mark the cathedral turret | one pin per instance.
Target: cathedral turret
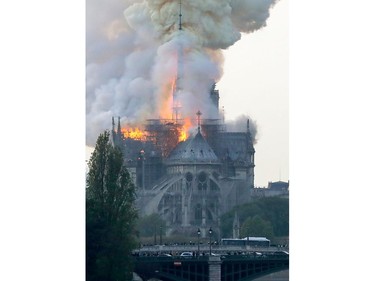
(214, 95)
(118, 126)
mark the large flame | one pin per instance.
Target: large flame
(134, 133)
(185, 128)
(182, 136)
(169, 108)
(138, 134)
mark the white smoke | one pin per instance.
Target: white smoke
(132, 51)
(240, 125)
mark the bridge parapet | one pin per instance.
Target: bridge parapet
(218, 249)
(209, 268)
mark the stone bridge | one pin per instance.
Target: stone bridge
(209, 268)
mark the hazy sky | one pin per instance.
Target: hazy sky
(255, 82)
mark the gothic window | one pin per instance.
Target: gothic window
(189, 177)
(202, 181)
(202, 177)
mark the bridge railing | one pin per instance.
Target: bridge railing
(227, 257)
(225, 252)
(220, 249)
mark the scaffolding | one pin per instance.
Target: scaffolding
(164, 134)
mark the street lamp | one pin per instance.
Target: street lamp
(199, 234)
(210, 233)
(161, 241)
(142, 152)
(155, 234)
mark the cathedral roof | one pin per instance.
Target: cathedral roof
(194, 150)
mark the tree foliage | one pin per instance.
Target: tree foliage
(150, 225)
(256, 227)
(110, 214)
(275, 210)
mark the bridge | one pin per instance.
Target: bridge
(244, 267)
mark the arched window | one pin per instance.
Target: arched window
(202, 181)
(189, 177)
(202, 177)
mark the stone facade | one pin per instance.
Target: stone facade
(190, 183)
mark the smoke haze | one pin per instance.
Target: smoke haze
(132, 50)
(240, 125)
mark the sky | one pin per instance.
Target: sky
(255, 83)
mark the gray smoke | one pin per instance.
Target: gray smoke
(240, 125)
(132, 51)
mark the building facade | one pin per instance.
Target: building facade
(189, 183)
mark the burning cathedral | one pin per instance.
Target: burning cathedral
(189, 182)
(188, 166)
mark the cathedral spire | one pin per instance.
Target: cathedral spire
(199, 113)
(178, 87)
(180, 15)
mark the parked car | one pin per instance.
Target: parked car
(186, 254)
(280, 253)
(165, 255)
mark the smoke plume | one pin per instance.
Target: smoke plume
(132, 50)
(240, 125)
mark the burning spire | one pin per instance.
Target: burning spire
(179, 76)
(136, 54)
(180, 15)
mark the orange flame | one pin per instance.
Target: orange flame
(185, 128)
(133, 133)
(183, 136)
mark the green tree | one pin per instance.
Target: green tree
(257, 227)
(272, 209)
(110, 214)
(150, 225)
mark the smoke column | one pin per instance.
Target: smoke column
(132, 49)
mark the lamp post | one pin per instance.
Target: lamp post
(199, 234)
(155, 234)
(143, 168)
(210, 234)
(161, 234)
